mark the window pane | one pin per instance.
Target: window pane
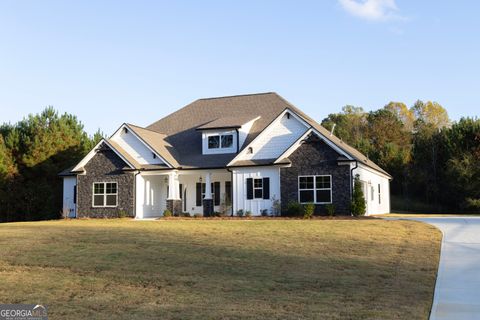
(98, 188)
(306, 182)
(227, 141)
(257, 183)
(306, 196)
(323, 182)
(98, 200)
(111, 187)
(258, 194)
(111, 200)
(213, 142)
(323, 196)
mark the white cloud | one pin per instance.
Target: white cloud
(375, 10)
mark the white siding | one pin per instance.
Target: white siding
(239, 183)
(244, 131)
(136, 148)
(69, 207)
(276, 139)
(371, 179)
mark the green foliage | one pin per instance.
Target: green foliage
(32, 153)
(167, 213)
(240, 213)
(308, 210)
(185, 214)
(248, 213)
(330, 210)
(122, 214)
(295, 209)
(358, 206)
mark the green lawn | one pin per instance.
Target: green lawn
(221, 269)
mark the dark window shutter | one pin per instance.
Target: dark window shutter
(266, 188)
(216, 191)
(180, 188)
(228, 191)
(199, 195)
(75, 194)
(249, 188)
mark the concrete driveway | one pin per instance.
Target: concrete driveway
(457, 292)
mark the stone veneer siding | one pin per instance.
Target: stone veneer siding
(315, 157)
(105, 166)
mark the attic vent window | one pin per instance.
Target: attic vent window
(250, 150)
(154, 155)
(125, 130)
(288, 115)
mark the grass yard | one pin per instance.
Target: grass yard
(221, 269)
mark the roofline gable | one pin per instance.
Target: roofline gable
(128, 126)
(94, 151)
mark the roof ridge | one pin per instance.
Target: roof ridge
(143, 128)
(239, 95)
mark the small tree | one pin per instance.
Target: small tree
(358, 206)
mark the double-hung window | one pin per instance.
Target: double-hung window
(105, 194)
(315, 189)
(258, 188)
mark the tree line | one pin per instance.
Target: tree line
(32, 153)
(435, 163)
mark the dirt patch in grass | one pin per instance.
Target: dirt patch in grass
(221, 269)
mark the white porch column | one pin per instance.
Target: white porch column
(173, 186)
(208, 186)
(139, 195)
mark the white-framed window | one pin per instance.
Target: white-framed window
(105, 194)
(258, 188)
(315, 189)
(379, 194)
(220, 141)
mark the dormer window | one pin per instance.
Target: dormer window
(221, 141)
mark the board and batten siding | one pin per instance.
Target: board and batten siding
(240, 201)
(69, 207)
(276, 139)
(135, 148)
(371, 179)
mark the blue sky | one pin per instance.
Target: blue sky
(111, 62)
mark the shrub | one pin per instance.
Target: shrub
(167, 213)
(358, 206)
(264, 213)
(122, 214)
(197, 215)
(240, 213)
(308, 210)
(185, 214)
(248, 213)
(330, 209)
(294, 209)
(276, 206)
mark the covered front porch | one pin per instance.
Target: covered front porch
(181, 191)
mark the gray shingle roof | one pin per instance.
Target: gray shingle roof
(227, 122)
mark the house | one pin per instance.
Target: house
(252, 152)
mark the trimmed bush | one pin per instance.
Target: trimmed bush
(294, 209)
(240, 213)
(248, 213)
(167, 213)
(330, 209)
(358, 206)
(264, 213)
(308, 210)
(122, 214)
